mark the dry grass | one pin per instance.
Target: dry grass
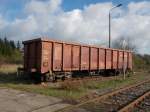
(9, 68)
(66, 90)
(69, 85)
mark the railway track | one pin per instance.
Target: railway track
(119, 100)
(142, 104)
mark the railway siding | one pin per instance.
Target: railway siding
(138, 105)
(113, 101)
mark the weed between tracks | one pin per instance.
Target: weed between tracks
(67, 90)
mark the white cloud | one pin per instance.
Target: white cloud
(89, 25)
(2, 22)
(43, 7)
(139, 8)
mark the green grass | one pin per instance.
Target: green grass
(8, 78)
(46, 91)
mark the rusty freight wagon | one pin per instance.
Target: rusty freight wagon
(52, 59)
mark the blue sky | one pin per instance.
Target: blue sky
(84, 21)
(69, 5)
(13, 8)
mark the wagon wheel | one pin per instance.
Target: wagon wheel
(50, 77)
(54, 78)
(63, 78)
(47, 77)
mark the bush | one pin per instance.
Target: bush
(71, 85)
(141, 62)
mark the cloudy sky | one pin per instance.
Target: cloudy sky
(84, 21)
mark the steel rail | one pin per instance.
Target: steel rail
(102, 97)
(131, 105)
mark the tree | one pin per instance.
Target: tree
(9, 52)
(5, 40)
(12, 44)
(18, 45)
(125, 43)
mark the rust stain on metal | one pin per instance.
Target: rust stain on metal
(102, 59)
(134, 103)
(108, 58)
(84, 58)
(48, 55)
(75, 57)
(94, 59)
(115, 59)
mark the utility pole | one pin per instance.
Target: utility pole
(110, 22)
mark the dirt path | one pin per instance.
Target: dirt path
(19, 101)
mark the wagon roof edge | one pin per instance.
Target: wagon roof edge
(45, 39)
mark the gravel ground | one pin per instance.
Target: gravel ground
(19, 101)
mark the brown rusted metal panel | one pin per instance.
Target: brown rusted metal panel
(125, 59)
(38, 55)
(108, 58)
(46, 64)
(115, 57)
(75, 57)
(32, 56)
(67, 57)
(57, 56)
(26, 56)
(94, 59)
(46, 55)
(130, 60)
(101, 58)
(85, 58)
(120, 60)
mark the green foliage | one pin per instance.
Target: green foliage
(9, 52)
(126, 43)
(141, 62)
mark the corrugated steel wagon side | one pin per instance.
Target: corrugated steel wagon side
(108, 59)
(32, 55)
(114, 59)
(94, 58)
(45, 56)
(130, 62)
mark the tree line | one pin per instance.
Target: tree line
(140, 61)
(10, 51)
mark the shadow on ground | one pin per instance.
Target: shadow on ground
(12, 78)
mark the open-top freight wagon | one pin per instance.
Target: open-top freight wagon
(52, 59)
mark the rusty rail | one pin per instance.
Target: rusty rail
(102, 97)
(134, 103)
